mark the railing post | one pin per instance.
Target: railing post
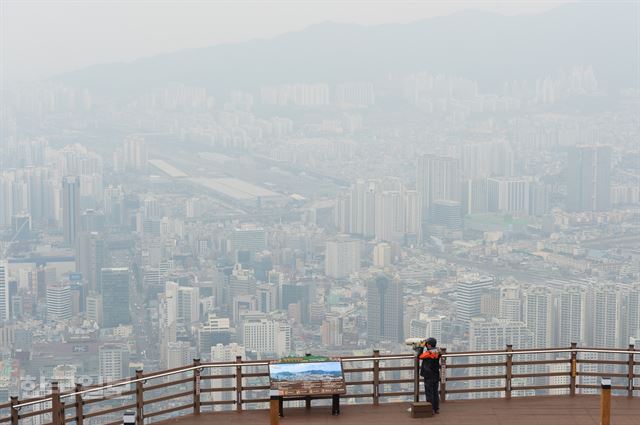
(139, 398)
(238, 383)
(14, 412)
(605, 402)
(55, 404)
(196, 387)
(630, 373)
(79, 406)
(508, 373)
(376, 378)
(574, 369)
(416, 377)
(62, 413)
(443, 374)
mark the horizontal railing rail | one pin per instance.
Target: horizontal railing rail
(392, 377)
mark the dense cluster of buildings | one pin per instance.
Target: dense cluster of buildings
(293, 219)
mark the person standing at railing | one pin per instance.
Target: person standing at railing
(430, 372)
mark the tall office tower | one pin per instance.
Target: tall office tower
(385, 321)
(58, 303)
(481, 160)
(332, 330)
(469, 290)
(267, 297)
(135, 154)
(115, 297)
(183, 303)
(113, 361)
(70, 209)
(589, 178)
(382, 255)
(91, 258)
(508, 195)
(300, 293)
(248, 237)
(4, 291)
(266, 336)
(438, 178)
(447, 214)
(113, 204)
(605, 317)
(538, 314)
(342, 257)
(510, 303)
(180, 353)
(570, 312)
(241, 282)
(215, 331)
(475, 197)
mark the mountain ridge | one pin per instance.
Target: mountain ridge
(484, 46)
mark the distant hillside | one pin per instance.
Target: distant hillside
(487, 47)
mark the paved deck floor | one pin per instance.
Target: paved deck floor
(561, 410)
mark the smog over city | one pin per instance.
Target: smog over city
(201, 189)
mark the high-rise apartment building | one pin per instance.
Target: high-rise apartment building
(4, 291)
(510, 303)
(70, 209)
(438, 178)
(113, 361)
(474, 197)
(342, 257)
(385, 321)
(538, 314)
(571, 315)
(482, 160)
(589, 178)
(508, 195)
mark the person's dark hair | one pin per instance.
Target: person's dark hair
(432, 342)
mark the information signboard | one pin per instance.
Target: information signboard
(305, 377)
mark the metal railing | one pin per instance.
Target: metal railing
(378, 378)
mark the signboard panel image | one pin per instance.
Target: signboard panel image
(307, 378)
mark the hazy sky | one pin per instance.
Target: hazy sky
(40, 38)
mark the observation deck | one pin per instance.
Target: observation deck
(543, 386)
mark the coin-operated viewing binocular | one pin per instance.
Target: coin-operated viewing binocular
(416, 343)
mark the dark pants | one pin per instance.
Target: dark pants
(432, 394)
